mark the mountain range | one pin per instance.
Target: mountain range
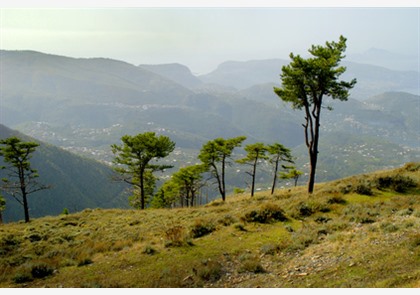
(85, 105)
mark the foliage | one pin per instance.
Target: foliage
(250, 263)
(215, 155)
(398, 183)
(202, 227)
(21, 178)
(188, 181)
(305, 82)
(255, 153)
(175, 236)
(363, 188)
(292, 173)
(134, 158)
(210, 271)
(167, 195)
(266, 214)
(278, 153)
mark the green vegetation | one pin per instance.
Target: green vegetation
(20, 181)
(135, 155)
(76, 182)
(335, 238)
(305, 82)
(255, 153)
(215, 155)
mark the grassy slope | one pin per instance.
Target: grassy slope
(334, 238)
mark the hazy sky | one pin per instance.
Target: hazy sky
(202, 38)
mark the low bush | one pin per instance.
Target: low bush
(250, 263)
(336, 200)
(227, 220)
(41, 270)
(306, 209)
(202, 228)
(266, 214)
(363, 189)
(8, 243)
(412, 167)
(149, 250)
(240, 226)
(175, 236)
(269, 249)
(398, 183)
(210, 271)
(21, 278)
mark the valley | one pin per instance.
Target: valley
(85, 105)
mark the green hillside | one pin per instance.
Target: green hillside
(361, 231)
(85, 105)
(77, 183)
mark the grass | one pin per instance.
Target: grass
(336, 237)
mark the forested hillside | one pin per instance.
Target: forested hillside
(77, 183)
(85, 105)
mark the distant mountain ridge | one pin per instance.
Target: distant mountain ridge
(85, 105)
(371, 79)
(176, 72)
(387, 59)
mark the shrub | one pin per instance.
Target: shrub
(389, 227)
(305, 210)
(405, 212)
(21, 278)
(8, 243)
(322, 219)
(202, 228)
(250, 263)
(398, 183)
(35, 237)
(210, 271)
(363, 189)
(336, 200)
(149, 250)
(412, 167)
(269, 249)
(175, 236)
(240, 226)
(301, 240)
(227, 220)
(238, 190)
(41, 270)
(414, 240)
(82, 261)
(266, 214)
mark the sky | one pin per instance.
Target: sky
(203, 37)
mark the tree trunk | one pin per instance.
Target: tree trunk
(1, 217)
(313, 159)
(24, 193)
(223, 188)
(254, 168)
(25, 207)
(275, 176)
(313, 150)
(142, 197)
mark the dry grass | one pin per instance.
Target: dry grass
(337, 237)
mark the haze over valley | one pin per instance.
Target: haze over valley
(84, 104)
